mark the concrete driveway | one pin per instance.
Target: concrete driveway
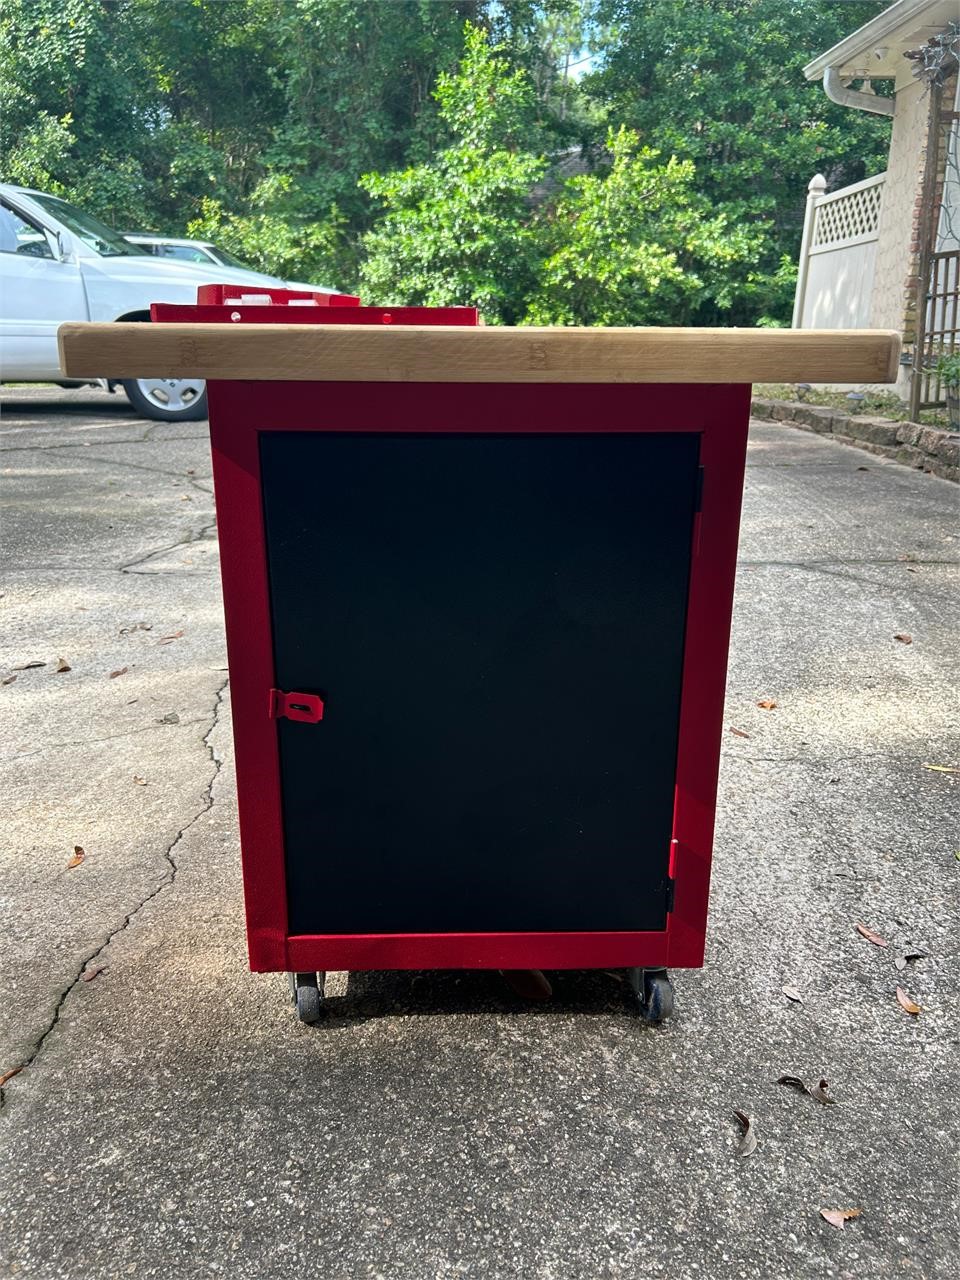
(172, 1118)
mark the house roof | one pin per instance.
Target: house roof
(875, 50)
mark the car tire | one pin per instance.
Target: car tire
(168, 399)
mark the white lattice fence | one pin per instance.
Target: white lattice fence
(838, 255)
(848, 216)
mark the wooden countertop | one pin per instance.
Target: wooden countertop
(380, 353)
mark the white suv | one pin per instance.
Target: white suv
(58, 263)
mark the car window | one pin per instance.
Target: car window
(17, 235)
(102, 239)
(226, 259)
(185, 252)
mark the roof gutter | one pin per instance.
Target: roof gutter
(837, 91)
(875, 32)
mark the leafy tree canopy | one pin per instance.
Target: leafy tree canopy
(720, 83)
(459, 228)
(446, 150)
(639, 244)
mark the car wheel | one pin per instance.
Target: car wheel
(168, 399)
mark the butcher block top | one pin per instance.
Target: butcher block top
(413, 353)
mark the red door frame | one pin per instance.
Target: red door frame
(239, 411)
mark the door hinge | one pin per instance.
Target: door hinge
(670, 887)
(698, 496)
(295, 706)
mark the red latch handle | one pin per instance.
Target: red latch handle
(295, 706)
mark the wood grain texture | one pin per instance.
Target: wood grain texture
(375, 353)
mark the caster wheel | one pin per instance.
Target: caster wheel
(651, 994)
(307, 992)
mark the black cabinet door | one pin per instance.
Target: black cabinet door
(496, 624)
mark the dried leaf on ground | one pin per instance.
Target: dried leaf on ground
(141, 782)
(8, 1075)
(739, 732)
(88, 975)
(748, 1143)
(870, 935)
(63, 665)
(793, 993)
(837, 1217)
(78, 857)
(818, 1091)
(906, 1003)
(28, 666)
(767, 704)
(170, 718)
(9, 679)
(121, 671)
(942, 768)
(902, 960)
(170, 638)
(904, 639)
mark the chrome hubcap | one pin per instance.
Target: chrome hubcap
(171, 394)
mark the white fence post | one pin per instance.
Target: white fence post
(815, 189)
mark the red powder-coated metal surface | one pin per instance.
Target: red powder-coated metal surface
(240, 410)
(218, 294)
(334, 313)
(477, 951)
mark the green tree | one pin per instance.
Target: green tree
(460, 229)
(720, 82)
(638, 245)
(213, 97)
(251, 121)
(357, 82)
(269, 238)
(69, 72)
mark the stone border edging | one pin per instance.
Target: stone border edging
(928, 449)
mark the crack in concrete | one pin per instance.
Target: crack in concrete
(836, 560)
(159, 424)
(49, 448)
(203, 534)
(86, 742)
(168, 879)
(821, 761)
(147, 438)
(826, 464)
(824, 567)
(191, 481)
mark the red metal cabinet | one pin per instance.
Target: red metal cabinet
(478, 587)
(477, 640)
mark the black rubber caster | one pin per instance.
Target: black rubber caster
(306, 990)
(651, 993)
